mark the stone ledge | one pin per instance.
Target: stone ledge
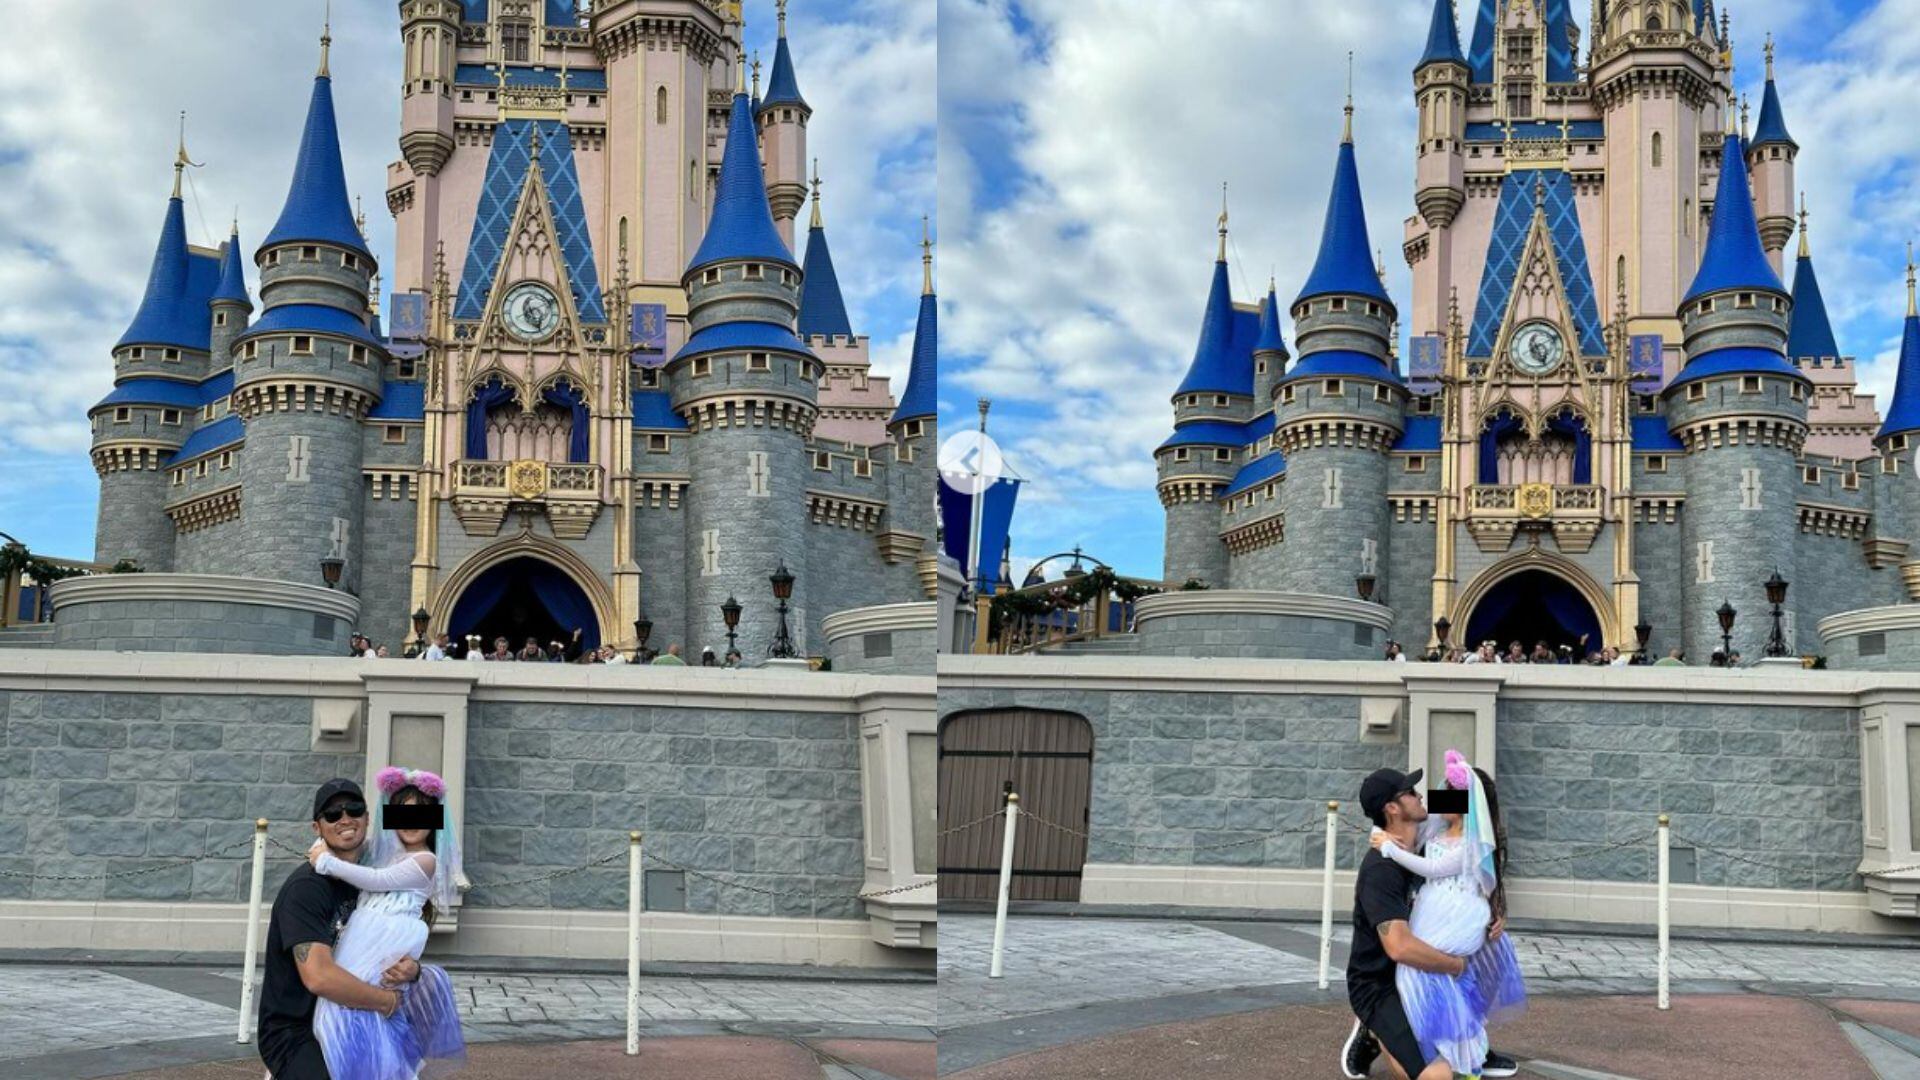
(1865, 621)
(104, 588)
(1256, 602)
(880, 618)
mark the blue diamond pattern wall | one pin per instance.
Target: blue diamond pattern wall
(1506, 247)
(499, 195)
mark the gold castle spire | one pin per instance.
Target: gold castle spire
(816, 193)
(756, 73)
(1222, 257)
(1769, 52)
(1346, 132)
(926, 257)
(1803, 225)
(326, 41)
(1912, 308)
(180, 159)
(780, 9)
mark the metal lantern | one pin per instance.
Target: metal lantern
(1726, 614)
(642, 630)
(420, 618)
(782, 583)
(782, 648)
(330, 568)
(1777, 595)
(1642, 632)
(730, 611)
(1364, 585)
(1442, 626)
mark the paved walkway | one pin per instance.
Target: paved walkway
(69, 1021)
(1119, 998)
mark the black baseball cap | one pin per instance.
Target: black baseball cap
(1382, 786)
(339, 785)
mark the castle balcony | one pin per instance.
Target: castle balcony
(1571, 512)
(568, 493)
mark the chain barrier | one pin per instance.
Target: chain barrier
(1808, 872)
(981, 820)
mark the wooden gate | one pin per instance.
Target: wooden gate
(1045, 756)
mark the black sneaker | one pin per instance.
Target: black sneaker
(1499, 1064)
(1356, 1058)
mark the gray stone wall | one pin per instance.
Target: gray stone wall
(1259, 567)
(199, 626)
(1323, 543)
(1832, 576)
(885, 652)
(386, 581)
(755, 534)
(844, 570)
(132, 523)
(1407, 582)
(1663, 566)
(1289, 637)
(99, 782)
(768, 799)
(1748, 544)
(208, 550)
(288, 526)
(1193, 545)
(1888, 650)
(660, 548)
(1776, 783)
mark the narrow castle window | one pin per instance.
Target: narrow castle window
(171, 355)
(170, 416)
(1416, 463)
(1221, 453)
(863, 467)
(1656, 463)
(660, 106)
(179, 477)
(219, 318)
(394, 433)
(302, 344)
(758, 362)
(1220, 400)
(702, 366)
(657, 444)
(226, 459)
(1696, 391)
(1750, 384)
(1331, 388)
(1656, 150)
(310, 253)
(123, 415)
(516, 39)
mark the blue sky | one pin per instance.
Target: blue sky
(1083, 144)
(87, 129)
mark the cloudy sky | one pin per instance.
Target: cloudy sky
(88, 120)
(1082, 145)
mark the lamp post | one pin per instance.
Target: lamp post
(642, 630)
(330, 568)
(1442, 626)
(730, 611)
(420, 619)
(1776, 595)
(782, 648)
(1726, 614)
(1363, 584)
(1641, 633)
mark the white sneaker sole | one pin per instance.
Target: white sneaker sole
(1346, 1049)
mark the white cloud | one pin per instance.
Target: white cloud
(1076, 291)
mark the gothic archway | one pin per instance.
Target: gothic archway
(533, 560)
(1536, 596)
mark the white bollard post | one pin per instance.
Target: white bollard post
(1006, 885)
(253, 930)
(1326, 896)
(1665, 915)
(633, 943)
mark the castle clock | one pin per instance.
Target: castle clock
(531, 311)
(1537, 349)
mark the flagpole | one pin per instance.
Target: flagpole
(979, 504)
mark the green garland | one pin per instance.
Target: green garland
(1066, 595)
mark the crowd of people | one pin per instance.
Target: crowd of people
(441, 647)
(1489, 652)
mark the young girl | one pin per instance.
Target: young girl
(409, 871)
(1465, 861)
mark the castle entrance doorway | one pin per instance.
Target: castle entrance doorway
(1535, 606)
(1045, 756)
(521, 598)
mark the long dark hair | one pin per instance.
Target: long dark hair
(409, 795)
(1499, 898)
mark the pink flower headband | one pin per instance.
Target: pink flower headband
(392, 778)
(1459, 773)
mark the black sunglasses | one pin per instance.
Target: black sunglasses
(350, 809)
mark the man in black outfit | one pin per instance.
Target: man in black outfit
(308, 914)
(1382, 939)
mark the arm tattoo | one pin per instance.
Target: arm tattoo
(301, 950)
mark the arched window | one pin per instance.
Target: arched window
(1620, 273)
(660, 106)
(1656, 150)
(1653, 22)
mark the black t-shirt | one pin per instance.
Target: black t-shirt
(310, 908)
(1382, 892)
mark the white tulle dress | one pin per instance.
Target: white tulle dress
(422, 1038)
(1449, 1014)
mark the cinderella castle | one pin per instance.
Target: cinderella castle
(606, 395)
(1612, 420)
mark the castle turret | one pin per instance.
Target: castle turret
(748, 390)
(308, 370)
(231, 305)
(913, 426)
(1898, 441)
(1210, 410)
(823, 311)
(783, 116)
(1903, 413)
(157, 365)
(1770, 156)
(1809, 330)
(1740, 409)
(1339, 410)
(1269, 353)
(1440, 86)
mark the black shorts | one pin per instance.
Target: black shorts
(1380, 1012)
(299, 1059)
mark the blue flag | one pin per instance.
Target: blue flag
(996, 520)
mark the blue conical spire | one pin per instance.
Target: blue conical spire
(920, 399)
(822, 309)
(1443, 38)
(1772, 129)
(1345, 263)
(164, 317)
(1903, 416)
(1270, 339)
(741, 225)
(1811, 332)
(1733, 258)
(782, 87)
(317, 208)
(1213, 369)
(233, 275)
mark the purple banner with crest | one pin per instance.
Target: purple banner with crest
(649, 328)
(1425, 361)
(1645, 368)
